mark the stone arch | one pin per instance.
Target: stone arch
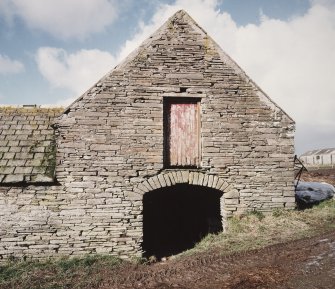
(170, 178)
(157, 206)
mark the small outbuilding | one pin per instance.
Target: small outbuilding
(320, 158)
(154, 156)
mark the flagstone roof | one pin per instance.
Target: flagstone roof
(27, 144)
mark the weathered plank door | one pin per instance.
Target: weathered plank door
(183, 133)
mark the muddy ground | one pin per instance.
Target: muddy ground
(319, 175)
(306, 263)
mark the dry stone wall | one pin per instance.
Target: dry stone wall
(40, 222)
(110, 149)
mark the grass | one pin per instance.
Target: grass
(251, 231)
(64, 273)
(255, 229)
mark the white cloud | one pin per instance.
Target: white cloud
(293, 60)
(202, 11)
(77, 71)
(9, 66)
(62, 18)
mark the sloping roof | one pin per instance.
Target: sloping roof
(326, 151)
(155, 39)
(27, 145)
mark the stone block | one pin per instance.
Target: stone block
(172, 178)
(167, 180)
(152, 184)
(278, 200)
(201, 179)
(147, 185)
(143, 188)
(289, 199)
(161, 180)
(231, 202)
(13, 178)
(210, 180)
(185, 176)
(205, 181)
(215, 181)
(232, 194)
(190, 178)
(156, 182)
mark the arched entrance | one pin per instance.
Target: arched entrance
(176, 217)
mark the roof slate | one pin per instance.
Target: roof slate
(27, 145)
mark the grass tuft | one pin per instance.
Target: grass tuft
(258, 214)
(256, 230)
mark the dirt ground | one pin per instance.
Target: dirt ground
(319, 175)
(306, 263)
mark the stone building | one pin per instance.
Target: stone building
(158, 153)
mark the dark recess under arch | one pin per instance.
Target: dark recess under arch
(176, 218)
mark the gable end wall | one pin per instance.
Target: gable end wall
(110, 150)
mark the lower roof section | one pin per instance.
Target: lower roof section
(27, 144)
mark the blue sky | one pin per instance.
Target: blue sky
(51, 51)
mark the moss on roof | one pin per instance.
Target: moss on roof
(27, 144)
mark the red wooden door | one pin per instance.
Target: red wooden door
(184, 134)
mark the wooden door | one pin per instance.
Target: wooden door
(183, 133)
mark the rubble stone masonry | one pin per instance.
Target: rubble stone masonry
(110, 150)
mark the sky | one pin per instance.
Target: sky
(52, 51)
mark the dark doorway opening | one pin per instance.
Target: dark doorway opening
(176, 218)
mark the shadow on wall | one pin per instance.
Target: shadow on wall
(176, 218)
